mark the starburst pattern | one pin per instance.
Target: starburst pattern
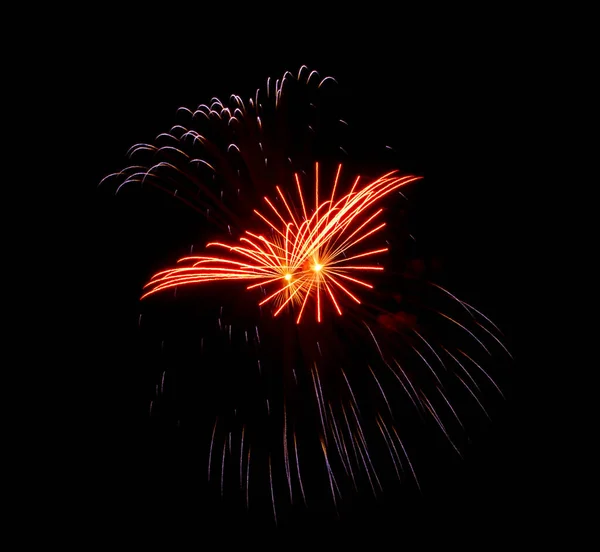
(307, 256)
(283, 390)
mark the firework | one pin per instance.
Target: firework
(318, 353)
(308, 257)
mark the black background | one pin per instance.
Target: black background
(452, 114)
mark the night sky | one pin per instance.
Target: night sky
(447, 122)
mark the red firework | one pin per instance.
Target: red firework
(307, 256)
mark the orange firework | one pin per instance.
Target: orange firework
(315, 413)
(309, 254)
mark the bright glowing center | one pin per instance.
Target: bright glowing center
(288, 276)
(317, 267)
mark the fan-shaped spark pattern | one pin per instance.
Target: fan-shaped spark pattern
(307, 254)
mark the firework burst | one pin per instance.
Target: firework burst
(316, 350)
(307, 257)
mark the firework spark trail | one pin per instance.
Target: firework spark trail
(339, 442)
(332, 481)
(224, 140)
(320, 401)
(362, 441)
(303, 258)
(272, 490)
(248, 479)
(351, 439)
(286, 453)
(313, 251)
(212, 442)
(483, 371)
(391, 446)
(298, 469)
(223, 467)
(242, 457)
(407, 458)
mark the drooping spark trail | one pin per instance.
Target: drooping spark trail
(340, 399)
